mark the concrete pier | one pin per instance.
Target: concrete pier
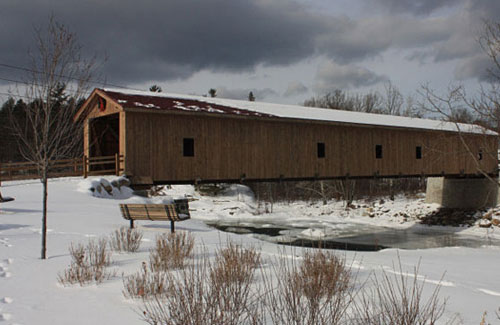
(462, 193)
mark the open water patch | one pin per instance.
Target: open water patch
(354, 237)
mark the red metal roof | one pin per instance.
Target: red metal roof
(176, 104)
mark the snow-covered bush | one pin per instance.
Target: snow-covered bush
(88, 264)
(171, 251)
(126, 239)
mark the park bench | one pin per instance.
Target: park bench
(178, 211)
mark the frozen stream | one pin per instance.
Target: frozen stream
(353, 236)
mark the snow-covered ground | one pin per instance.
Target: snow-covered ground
(31, 294)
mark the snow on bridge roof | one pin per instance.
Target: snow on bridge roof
(167, 101)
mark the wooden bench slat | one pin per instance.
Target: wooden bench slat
(152, 216)
(178, 211)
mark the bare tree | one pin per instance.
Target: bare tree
(490, 43)
(342, 100)
(481, 108)
(57, 81)
(393, 100)
(371, 103)
(412, 109)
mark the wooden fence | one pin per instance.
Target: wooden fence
(85, 166)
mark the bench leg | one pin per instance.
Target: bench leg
(131, 224)
(172, 226)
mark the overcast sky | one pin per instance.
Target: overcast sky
(282, 50)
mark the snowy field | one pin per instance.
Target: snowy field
(31, 294)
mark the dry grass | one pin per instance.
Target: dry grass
(317, 291)
(88, 264)
(171, 251)
(398, 299)
(145, 284)
(126, 239)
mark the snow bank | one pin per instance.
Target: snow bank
(76, 214)
(313, 234)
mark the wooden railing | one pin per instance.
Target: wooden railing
(85, 166)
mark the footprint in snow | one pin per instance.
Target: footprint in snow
(6, 300)
(5, 275)
(5, 242)
(5, 316)
(9, 260)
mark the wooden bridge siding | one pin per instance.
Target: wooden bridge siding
(138, 144)
(123, 141)
(227, 148)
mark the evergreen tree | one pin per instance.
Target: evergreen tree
(155, 89)
(251, 97)
(212, 92)
(9, 150)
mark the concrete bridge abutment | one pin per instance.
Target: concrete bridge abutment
(462, 193)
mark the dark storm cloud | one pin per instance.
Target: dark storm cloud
(420, 7)
(479, 67)
(331, 76)
(355, 40)
(170, 39)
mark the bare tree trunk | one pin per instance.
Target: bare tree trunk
(323, 192)
(55, 84)
(44, 216)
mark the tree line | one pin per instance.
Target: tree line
(18, 112)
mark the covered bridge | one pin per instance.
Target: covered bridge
(167, 138)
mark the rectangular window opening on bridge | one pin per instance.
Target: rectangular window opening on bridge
(188, 147)
(418, 152)
(321, 150)
(378, 151)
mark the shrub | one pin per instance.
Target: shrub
(209, 293)
(211, 189)
(145, 284)
(398, 300)
(234, 264)
(88, 264)
(126, 239)
(317, 291)
(322, 274)
(171, 251)
(231, 277)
